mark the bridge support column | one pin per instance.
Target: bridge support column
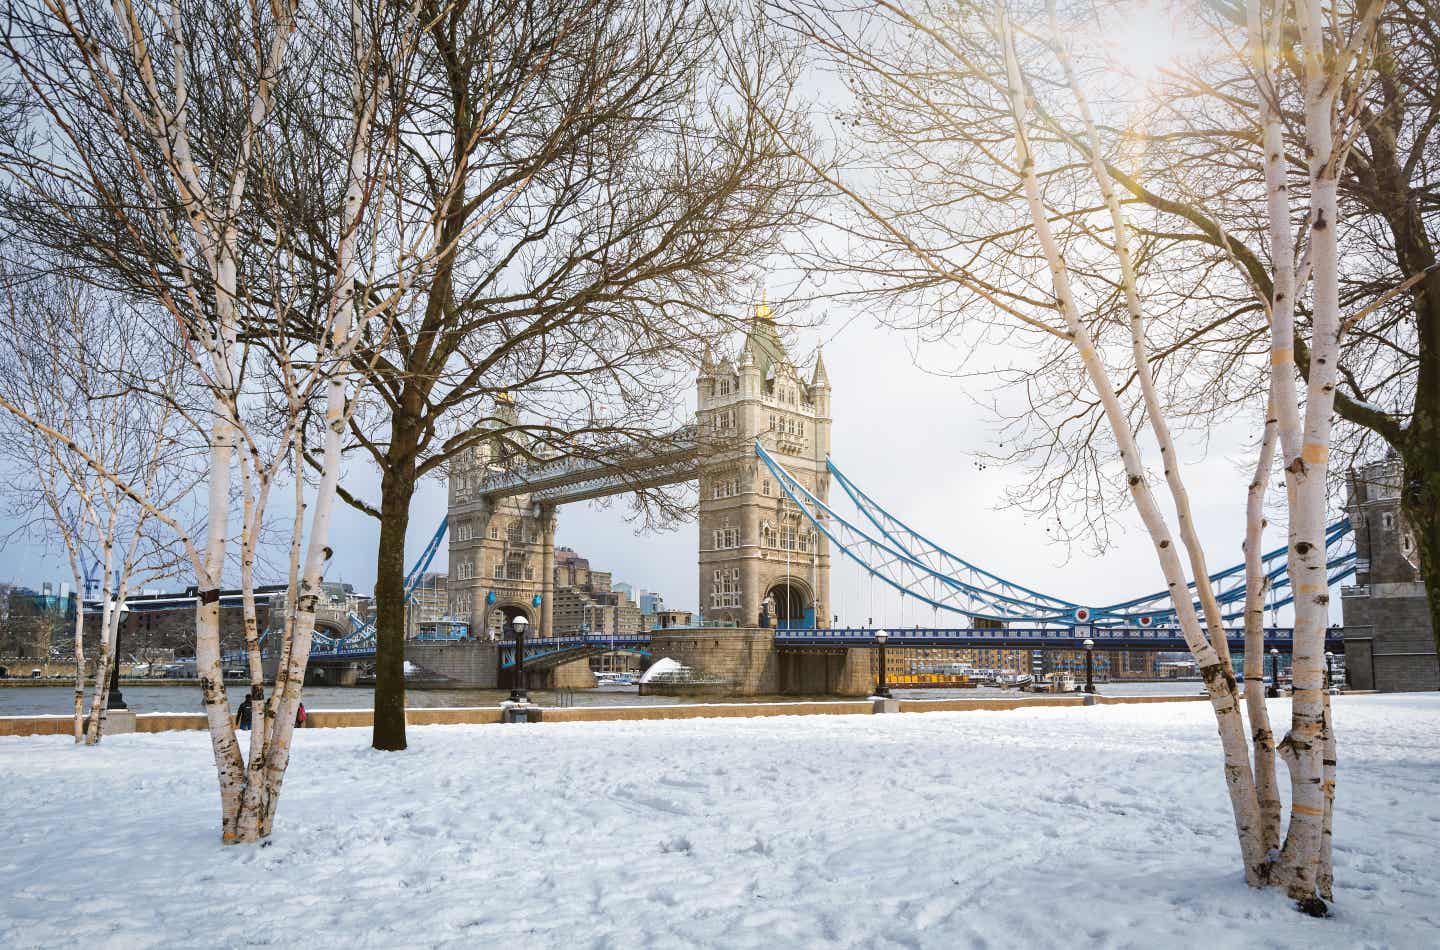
(547, 571)
(479, 610)
(573, 675)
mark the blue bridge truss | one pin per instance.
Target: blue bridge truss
(908, 561)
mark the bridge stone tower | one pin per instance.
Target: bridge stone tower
(1388, 644)
(761, 561)
(502, 552)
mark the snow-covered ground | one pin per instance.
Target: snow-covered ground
(1105, 826)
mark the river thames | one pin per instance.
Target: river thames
(59, 700)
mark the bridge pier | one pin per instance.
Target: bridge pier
(332, 674)
(828, 671)
(458, 663)
(742, 658)
(573, 675)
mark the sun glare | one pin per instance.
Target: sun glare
(1141, 39)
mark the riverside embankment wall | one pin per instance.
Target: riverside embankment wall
(486, 715)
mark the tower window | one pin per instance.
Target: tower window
(1388, 520)
(494, 532)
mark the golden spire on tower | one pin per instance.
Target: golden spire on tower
(763, 311)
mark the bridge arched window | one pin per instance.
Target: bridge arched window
(512, 533)
(767, 534)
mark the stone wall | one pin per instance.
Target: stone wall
(573, 675)
(1388, 645)
(465, 663)
(743, 657)
(838, 671)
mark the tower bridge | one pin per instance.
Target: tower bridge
(759, 451)
(758, 556)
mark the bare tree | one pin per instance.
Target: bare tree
(95, 372)
(165, 187)
(599, 192)
(998, 186)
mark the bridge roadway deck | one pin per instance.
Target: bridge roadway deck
(667, 461)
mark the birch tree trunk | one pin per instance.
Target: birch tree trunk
(1262, 738)
(108, 611)
(1219, 681)
(1306, 472)
(1154, 410)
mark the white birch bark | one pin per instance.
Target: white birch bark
(1239, 779)
(1306, 471)
(108, 611)
(1154, 410)
(260, 811)
(1262, 738)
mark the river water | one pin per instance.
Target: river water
(58, 700)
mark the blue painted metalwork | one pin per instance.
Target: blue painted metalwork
(1045, 638)
(918, 567)
(547, 651)
(903, 572)
(939, 559)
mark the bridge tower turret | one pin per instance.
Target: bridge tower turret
(759, 557)
(500, 550)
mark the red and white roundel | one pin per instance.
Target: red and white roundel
(1082, 614)
(1146, 621)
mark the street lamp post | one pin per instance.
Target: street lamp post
(116, 698)
(1089, 665)
(1329, 669)
(1274, 689)
(518, 694)
(882, 690)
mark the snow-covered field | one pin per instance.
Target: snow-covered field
(1105, 826)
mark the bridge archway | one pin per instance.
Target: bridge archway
(791, 604)
(501, 617)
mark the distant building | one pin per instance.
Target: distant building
(586, 600)
(429, 604)
(1388, 640)
(650, 602)
(665, 619)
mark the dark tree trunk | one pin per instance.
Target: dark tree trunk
(1420, 450)
(397, 487)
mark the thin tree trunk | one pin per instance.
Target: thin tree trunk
(108, 610)
(1326, 876)
(229, 763)
(1154, 410)
(1219, 682)
(1262, 738)
(1307, 471)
